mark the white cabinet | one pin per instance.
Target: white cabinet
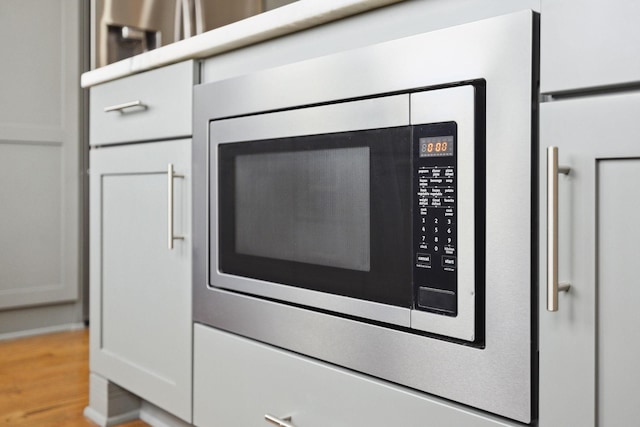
(588, 348)
(140, 245)
(40, 165)
(141, 289)
(589, 44)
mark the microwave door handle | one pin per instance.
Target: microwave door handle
(553, 287)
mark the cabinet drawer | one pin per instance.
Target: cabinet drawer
(237, 381)
(143, 107)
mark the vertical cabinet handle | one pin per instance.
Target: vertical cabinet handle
(170, 177)
(553, 287)
(282, 422)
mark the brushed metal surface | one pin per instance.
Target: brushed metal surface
(374, 113)
(553, 287)
(496, 378)
(168, 20)
(443, 105)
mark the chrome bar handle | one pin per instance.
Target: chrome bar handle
(553, 287)
(282, 422)
(121, 107)
(170, 177)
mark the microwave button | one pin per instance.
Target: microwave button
(439, 300)
(423, 260)
(448, 261)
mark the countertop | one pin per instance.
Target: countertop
(287, 19)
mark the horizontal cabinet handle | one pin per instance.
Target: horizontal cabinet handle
(124, 106)
(282, 422)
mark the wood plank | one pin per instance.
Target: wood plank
(44, 381)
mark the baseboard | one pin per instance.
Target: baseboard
(157, 417)
(103, 421)
(41, 331)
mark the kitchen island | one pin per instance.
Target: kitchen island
(587, 320)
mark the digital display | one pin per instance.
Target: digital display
(436, 146)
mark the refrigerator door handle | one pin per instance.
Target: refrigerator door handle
(199, 16)
(182, 20)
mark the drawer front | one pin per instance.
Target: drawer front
(237, 381)
(153, 105)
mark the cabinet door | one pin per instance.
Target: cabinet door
(141, 289)
(40, 153)
(588, 44)
(588, 348)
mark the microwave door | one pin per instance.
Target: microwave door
(318, 214)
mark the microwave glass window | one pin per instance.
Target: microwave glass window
(329, 213)
(305, 206)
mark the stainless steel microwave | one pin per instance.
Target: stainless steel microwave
(374, 209)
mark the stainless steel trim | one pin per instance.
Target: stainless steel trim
(455, 104)
(125, 105)
(170, 177)
(496, 378)
(553, 287)
(400, 316)
(282, 422)
(348, 116)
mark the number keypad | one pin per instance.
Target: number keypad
(434, 220)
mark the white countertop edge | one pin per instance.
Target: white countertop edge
(294, 17)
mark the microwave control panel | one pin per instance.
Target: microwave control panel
(434, 218)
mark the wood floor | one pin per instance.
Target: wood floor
(44, 381)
